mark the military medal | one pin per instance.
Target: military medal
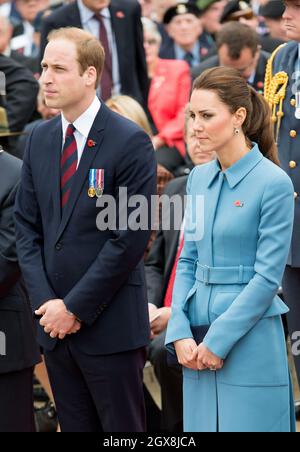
(99, 182)
(92, 183)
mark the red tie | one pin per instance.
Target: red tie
(106, 82)
(169, 292)
(68, 164)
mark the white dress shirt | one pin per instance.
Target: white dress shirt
(83, 125)
(92, 26)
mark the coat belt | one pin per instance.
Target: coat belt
(223, 275)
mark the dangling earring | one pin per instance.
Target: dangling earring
(236, 131)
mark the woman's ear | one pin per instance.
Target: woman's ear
(240, 117)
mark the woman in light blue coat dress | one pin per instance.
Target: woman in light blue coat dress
(237, 378)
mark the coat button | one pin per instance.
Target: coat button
(293, 133)
(58, 246)
(293, 102)
(295, 195)
(292, 164)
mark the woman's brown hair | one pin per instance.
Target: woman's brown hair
(233, 91)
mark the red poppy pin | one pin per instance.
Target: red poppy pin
(239, 204)
(91, 143)
(120, 14)
(260, 85)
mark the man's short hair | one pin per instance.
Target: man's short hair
(237, 37)
(89, 50)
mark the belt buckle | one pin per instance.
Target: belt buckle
(206, 274)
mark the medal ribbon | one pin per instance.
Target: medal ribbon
(92, 178)
(100, 179)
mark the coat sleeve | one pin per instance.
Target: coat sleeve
(8, 254)
(179, 324)
(275, 232)
(141, 66)
(29, 234)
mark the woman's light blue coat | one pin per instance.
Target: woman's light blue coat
(248, 220)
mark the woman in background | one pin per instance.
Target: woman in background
(169, 93)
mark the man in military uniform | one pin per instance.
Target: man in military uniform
(283, 81)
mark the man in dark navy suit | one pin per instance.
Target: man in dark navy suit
(187, 40)
(120, 21)
(86, 285)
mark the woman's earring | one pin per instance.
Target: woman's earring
(236, 131)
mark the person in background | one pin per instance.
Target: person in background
(18, 97)
(241, 11)
(26, 37)
(6, 32)
(235, 367)
(272, 12)
(284, 72)
(131, 109)
(168, 94)
(160, 270)
(45, 112)
(212, 11)
(188, 40)
(239, 48)
(18, 347)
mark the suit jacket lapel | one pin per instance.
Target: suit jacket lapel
(119, 29)
(55, 154)
(96, 134)
(75, 18)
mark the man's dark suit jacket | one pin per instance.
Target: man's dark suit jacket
(214, 61)
(15, 315)
(21, 93)
(126, 24)
(167, 50)
(162, 255)
(98, 274)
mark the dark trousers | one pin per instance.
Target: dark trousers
(170, 379)
(97, 393)
(16, 402)
(291, 293)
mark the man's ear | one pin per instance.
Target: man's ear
(90, 76)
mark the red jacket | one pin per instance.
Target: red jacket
(169, 93)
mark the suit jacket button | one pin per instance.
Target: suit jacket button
(58, 246)
(293, 102)
(293, 133)
(292, 164)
